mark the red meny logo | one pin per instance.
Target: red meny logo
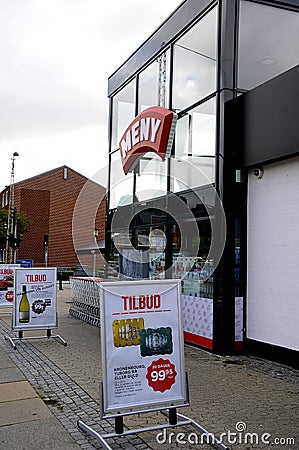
(151, 131)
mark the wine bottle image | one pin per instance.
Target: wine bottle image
(24, 307)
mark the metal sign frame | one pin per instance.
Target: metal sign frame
(41, 292)
(128, 367)
(42, 284)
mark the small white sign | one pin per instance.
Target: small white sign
(35, 299)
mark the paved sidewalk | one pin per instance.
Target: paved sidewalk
(25, 420)
(46, 387)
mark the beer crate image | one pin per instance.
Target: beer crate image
(126, 332)
(156, 341)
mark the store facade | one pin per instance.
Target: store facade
(178, 209)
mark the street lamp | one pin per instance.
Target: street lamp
(10, 253)
(94, 251)
(46, 248)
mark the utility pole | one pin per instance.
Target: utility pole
(15, 233)
(11, 217)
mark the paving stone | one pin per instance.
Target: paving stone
(224, 391)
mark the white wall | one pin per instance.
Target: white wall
(273, 255)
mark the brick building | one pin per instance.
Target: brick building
(66, 206)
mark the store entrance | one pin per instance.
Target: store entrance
(156, 236)
(155, 246)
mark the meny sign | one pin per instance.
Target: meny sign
(151, 131)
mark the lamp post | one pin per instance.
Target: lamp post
(94, 251)
(10, 254)
(46, 248)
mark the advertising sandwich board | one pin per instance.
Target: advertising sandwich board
(35, 299)
(142, 344)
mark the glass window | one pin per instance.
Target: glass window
(121, 185)
(151, 181)
(123, 112)
(268, 43)
(194, 159)
(154, 84)
(194, 73)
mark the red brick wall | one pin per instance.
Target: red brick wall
(49, 199)
(36, 204)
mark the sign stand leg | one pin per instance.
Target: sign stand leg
(93, 433)
(172, 416)
(5, 312)
(21, 337)
(216, 443)
(119, 425)
(7, 338)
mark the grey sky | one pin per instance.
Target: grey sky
(56, 56)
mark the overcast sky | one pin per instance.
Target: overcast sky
(56, 56)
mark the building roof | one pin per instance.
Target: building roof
(53, 170)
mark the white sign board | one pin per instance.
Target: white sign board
(7, 284)
(142, 344)
(35, 299)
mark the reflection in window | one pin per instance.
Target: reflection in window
(194, 74)
(123, 112)
(121, 185)
(194, 162)
(152, 179)
(153, 84)
(268, 43)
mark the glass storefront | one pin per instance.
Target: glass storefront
(188, 74)
(156, 244)
(149, 237)
(193, 161)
